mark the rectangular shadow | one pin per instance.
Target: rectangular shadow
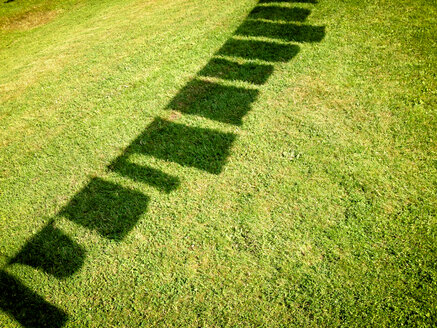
(225, 69)
(284, 32)
(201, 148)
(218, 102)
(288, 1)
(267, 51)
(151, 176)
(106, 207)
(53, 252)
(27, 307)
(275, 13)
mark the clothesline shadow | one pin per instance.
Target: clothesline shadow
(224, 90)
(27, 307)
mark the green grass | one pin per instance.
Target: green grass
(218, 163)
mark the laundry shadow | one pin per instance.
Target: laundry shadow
(204, 149)
(287, 32)
(266, 51)
(113, 210)
(153, 177)
(288, 1)
(227, 104)
(27, 307)
(107, 208)
(53, 252)
(228, 70)
(276, 13)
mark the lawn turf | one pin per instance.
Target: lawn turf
(218, 163)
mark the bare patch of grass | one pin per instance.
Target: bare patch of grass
(28, 20)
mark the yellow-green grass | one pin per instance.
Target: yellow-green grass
(218, 163)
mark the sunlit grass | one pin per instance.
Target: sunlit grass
(217, 163)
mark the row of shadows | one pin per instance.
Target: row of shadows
(112, 210)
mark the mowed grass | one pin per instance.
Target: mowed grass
(218, 163)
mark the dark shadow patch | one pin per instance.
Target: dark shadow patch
(53, 252)
(27, 307)
(268, 51)
(218, 102)
(151, 176)
(284, 32)
(275, 13)
(288, 1)
(225, 69)
(108, 208)
(204, 149)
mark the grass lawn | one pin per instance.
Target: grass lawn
(218, 163)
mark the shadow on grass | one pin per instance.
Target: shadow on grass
(153, 177)
(288, 1)
(215, 101)
(275, 13)
(28, 308)
(228, 70)
(253, 49)
(53, 252)
(229, 104)
(113, 210)
(204, 149)
(288, 32)
(107, 208)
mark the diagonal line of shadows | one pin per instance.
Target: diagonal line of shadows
(113, 210)
(27, 307)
